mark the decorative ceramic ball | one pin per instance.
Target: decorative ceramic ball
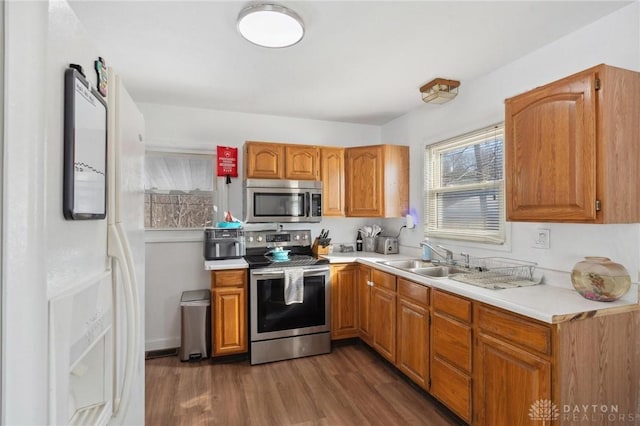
(600, 279)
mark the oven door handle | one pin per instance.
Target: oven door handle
(262, 273)
(281, 272)
(316, 270)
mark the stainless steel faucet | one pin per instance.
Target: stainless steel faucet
(466, 259)
(448, 254)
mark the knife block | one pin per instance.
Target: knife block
(317, 249)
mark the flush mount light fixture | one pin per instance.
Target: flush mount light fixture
(270, 25)
(439, 91)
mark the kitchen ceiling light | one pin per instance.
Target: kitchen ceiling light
(270, 25)
(439, 91)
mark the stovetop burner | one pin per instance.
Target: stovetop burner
(266, 261)
(260, 243)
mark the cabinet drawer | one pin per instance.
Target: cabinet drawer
(454, 306)
(520, 331)
(451, 340)
(417, 293)
(383, 279)
(229, 278)
(451, 387)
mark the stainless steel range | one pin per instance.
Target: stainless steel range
(282, 327)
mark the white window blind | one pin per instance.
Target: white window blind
(179, 190)
(464, 187)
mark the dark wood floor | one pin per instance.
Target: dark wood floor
(350, 386)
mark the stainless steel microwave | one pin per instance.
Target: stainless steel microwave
(275, 200)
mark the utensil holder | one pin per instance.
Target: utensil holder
(317, 249)
(369, 244)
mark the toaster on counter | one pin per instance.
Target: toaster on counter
(387, 245)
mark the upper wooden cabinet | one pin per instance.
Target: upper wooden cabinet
(302, 162)
(572, 149)
(377, 181)
(266, 160)
(332, 176)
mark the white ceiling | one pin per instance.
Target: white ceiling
(359, 62)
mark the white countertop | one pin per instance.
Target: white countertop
(544, 302)
(217, 265)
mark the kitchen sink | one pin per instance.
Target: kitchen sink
(438, 271)
(408, 263)
(424, 267)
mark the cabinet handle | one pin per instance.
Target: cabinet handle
(370, 283)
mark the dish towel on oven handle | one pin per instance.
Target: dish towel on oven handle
(293, 285)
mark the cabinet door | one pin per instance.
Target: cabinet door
(451, 342)
(383, 310)
(510, 381)
(344, 294)
(229, 321)
(452, 387)
(413, 341)
(364, 181)
(364, 303)
(264, 160)
(301, 162)
(332, 175)
(550, 152)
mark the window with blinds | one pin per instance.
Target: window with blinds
(464, 187)
(179, 190)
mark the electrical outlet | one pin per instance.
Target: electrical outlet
(541, 238)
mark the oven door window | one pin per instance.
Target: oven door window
(275, 315)
(273, 204)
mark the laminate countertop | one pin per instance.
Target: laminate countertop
(218, 265)
(545, 302)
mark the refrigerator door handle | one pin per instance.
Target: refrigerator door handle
(120, 250)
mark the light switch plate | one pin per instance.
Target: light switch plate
(541, 238)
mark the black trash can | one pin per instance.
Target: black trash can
(195, 336)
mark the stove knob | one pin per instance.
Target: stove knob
(297, 237)
(304, 236)
(259, 238)
(250, 239)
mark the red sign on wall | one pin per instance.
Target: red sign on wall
(227, 161)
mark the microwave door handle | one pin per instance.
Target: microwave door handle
(307, 197)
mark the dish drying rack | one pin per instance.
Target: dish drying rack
(499, 273)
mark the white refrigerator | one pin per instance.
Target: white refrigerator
(97, 326)
(125, 207)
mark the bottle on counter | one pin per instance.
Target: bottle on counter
(359, 242)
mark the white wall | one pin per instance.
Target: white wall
(176, 266)
(614, 40)
(43, 252)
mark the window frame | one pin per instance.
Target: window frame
(175, 233)
(432, 188)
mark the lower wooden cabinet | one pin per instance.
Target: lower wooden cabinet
(344, 294)
(510, 381)
(383, 314)
(513, 357)
(364, 303)
(229, 317)
(412, 337)
(491, 366)
(451, 353)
